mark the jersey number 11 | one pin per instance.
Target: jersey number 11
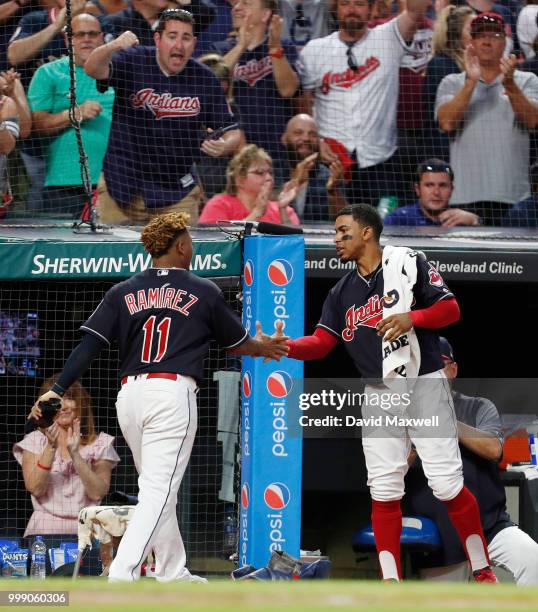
(163, 329)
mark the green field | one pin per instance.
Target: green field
(97, 595)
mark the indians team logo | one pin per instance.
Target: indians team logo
(280, 272)
(348, 78)
(435, 277)
(248, 273)
(277, 496)
(165, 104)
(245, 496)
(253, 71)
(368, 315)
(279, 384)
(247, 384)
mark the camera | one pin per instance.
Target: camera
(49, 409)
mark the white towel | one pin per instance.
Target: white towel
(101, 522)
(401, 357)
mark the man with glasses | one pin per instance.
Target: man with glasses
(488, 111)
(166, 105)
(38, 39)
(481, 445)
(49, 102)
(434, 185)
(350, 79)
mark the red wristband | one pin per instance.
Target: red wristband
(43, 467)
(277, 53)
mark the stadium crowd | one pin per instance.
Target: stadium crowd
(281, 110)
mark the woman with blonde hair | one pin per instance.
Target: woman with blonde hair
(451, 35)
(249, 183)
(66, 466)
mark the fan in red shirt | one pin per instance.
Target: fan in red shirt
(248, 187)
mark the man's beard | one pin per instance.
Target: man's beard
(295, 157)
(353, 27)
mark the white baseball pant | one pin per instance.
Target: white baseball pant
(158, 419)
(512, 549)
(387, 448)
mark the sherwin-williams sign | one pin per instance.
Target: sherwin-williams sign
(43, 259)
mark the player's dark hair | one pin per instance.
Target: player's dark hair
(434, 165)
(365, 214)
(162, 231)
(172, 14)
(82, 399)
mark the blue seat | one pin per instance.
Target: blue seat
(418, 534)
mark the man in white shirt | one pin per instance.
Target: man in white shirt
(351, 80)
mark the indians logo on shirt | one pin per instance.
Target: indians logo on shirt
(253, 71)
(368, 315)
(435, 278)
(348, 78)
(165, 104)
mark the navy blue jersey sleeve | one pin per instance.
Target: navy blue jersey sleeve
(30, 24)
(329, 319)
(119, 66)
(103, 322)
(226, 326)
(430, 286)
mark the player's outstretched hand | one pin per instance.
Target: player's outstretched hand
(278, 333)
(272, 347)
(394, 326)
(125, 40)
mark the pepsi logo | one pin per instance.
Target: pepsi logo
(247, 384)
(248, 273)
(280, 272)
(245, 496)
(279, 384)
(277, 496)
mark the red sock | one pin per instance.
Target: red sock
(465, 516)
(387, 525)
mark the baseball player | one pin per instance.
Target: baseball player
(353, 312)
(163, 320)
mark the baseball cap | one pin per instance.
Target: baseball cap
(446, 350)
(487, 22)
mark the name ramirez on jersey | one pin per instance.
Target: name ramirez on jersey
(160, 297)
(163, 320)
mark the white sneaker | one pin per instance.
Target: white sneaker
(194, 578)
(186, 576)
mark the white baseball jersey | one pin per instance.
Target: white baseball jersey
(357, 107)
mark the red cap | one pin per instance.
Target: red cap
(487, 22)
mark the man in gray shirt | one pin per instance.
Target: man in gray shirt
(481, 445)
(488, 111)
